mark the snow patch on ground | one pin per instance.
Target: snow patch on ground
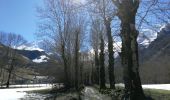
(41, 59)
(157, 86)
(151, 86)
(91, 93)
(18, 93)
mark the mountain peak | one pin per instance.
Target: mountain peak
(165, 30)
(30, 47)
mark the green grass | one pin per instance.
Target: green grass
(167, 92)
(43, 91)
(157, 94)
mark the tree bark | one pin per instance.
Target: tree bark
(135, 57)
(97, 67)
(11, 66)
(127, 10)
(102, 67)
(2, 81)
(10, 72)
(66, 80)
(76, 61)
(111, 53)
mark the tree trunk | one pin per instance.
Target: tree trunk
(102, 67)
(2, 81)
(11, 68)
(76, 61)
(81, 74)
(133, 88)
(111, 54)
(127, 10)
(66, 81)
(97, 67)
(1, 71)
(126, 59)
(9, 75)
(135, 58)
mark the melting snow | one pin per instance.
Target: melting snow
(152, 86)
(157, 86)
(18, 93)
(41, 59)
(90, 93)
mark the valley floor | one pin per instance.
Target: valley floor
(89, 93)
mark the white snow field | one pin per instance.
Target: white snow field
(42, 58)
(18, 93)
(157, 86)
(152, 86)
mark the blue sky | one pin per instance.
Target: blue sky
(19, 16)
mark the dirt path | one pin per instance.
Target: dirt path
(90, 93)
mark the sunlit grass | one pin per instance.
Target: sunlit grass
(158, 94)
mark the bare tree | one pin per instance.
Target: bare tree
(55, 30)
(13, 41)
(102, 65)
(63, 29)
(127, 10)
(151, 15)
(2, 37)
(78, 27)
(98, 44)
(105, 10)
(95, 31)
(10, 42)
(2, 60)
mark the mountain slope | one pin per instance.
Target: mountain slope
(155, 64)
(154, 60)
(160, 46)
(34, 55)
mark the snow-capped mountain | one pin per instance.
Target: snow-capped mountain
(156, 57)
(161, 43)
(33, 52)
(42, 58)
(146, 36)
(30, 46)
(35, 55)
(165, 30)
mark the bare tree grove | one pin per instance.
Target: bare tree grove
(67, 26)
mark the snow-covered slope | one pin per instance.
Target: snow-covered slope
(33, 52)
(30, 46)
(42, 58)
(146, 37)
